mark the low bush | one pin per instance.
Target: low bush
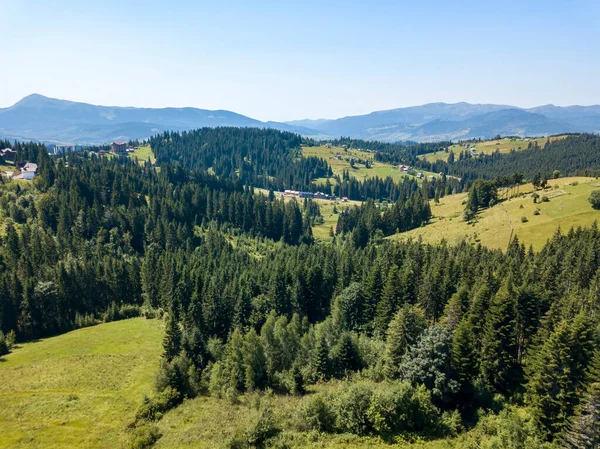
(85, 320)
(524, 220)
(144, 437)
(152, 409)
(385, 409)
(315, 414)
(594, 199)
(3, 345)
(125, 311)
(262, 427)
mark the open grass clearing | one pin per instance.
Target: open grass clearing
(79, 389)
(568, 207)
(503, 145)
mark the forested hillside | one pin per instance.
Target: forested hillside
(420, 341)
(576, 155)
(260, 157)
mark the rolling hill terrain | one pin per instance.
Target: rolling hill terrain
(567, 207)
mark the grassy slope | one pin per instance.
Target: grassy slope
(142, 154)
(489, 146)
(568, 207)
(79, 389)
(359, 172)
(207, 422)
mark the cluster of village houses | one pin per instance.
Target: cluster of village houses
(118, 148)
(313, 195)
(23, 170)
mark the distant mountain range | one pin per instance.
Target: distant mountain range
(40, 118)
(442, 121)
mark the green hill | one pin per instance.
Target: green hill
(567, 207)
(79, 389)
(504, 145)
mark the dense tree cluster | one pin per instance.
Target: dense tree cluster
(368, 221)
(75, 238)
(482, 194)
(260, 157)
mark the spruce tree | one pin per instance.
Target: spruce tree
(320, 365)
(499, 351)
(555, 374)
(464, 359)
(172, 338)
(402, 332)
(344, 355)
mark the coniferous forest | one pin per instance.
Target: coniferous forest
(426, 340)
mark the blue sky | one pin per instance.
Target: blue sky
(282, 60)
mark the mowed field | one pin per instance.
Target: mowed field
(377, 169)
(79, 389)
(490, 146)
(567, 207)
(142, 154)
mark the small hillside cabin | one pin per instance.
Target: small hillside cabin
(29, 170)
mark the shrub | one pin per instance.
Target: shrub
(315, 414)
(262, 428)
(144, 437)
(85, 320)
(536, 212)
(152, 409)
(390, 408)
(545, 199)
(290, 381)
(451, 423)
(125, 311)
(594, 199)
(351, 407)
(11, 339)
(3, 344)
(524, 220)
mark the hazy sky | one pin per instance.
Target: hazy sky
(282, 60)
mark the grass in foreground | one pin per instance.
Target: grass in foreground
(79, 389)
(568, 207)
(208, 422)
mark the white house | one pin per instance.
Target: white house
(29, 170)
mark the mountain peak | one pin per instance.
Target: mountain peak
(34, 100)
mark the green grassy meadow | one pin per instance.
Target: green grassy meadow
(79, 389)
(489, 147)
(142, 154)
(360, 172)
(568, 207)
